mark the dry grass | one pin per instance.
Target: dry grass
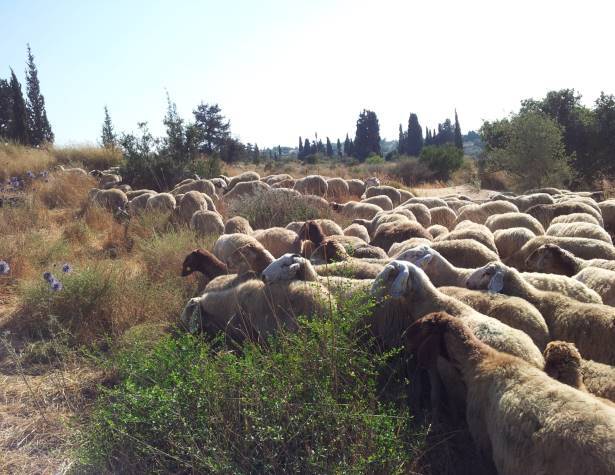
(65, 190)
(16, 160)
(88, 157)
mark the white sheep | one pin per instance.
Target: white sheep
(421, 212)
(509, 241)
(207, 223)
(444, 216)
(579, 230)
(514, 220)
(246, 189)
(601, 281)
(391, 192)
(279, 241)
(242, 177)
(357, 230)
(353, 209)
(312, 185)
(337, 189)
(382, 201)
(553, 259)
(575, 218)
(162, 202)
(257, 257)
(470, 230)
(238, 224)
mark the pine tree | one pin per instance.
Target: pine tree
(347, 147)
(338, 146)
(401, 141)
(329, 148)
(320, 148)
(18, 129)
(458, 137)
(6, 108)
(38, 125)
(300, 148)
(367, 136)
(307, 148)
(212, 128)
(108, 137)
(415, 136)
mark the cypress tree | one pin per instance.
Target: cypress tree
(6, 108)
(320, 148)
(401, 141)
(38, 125)
(339, 148)
(458, 137)
(367, 137)
(300, 147)
(347, 147)
(329, 148)
(307, 148)
(415, 136)
(108, 137)
(18, 129)
(279, 151)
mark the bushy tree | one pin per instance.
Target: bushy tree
(18, 126)
(530, 149)
(39, 129)
(442, 160)
(445, 134)
(108, 138)
(603, 137)
(414, 136)
(367, 136)
(211, 128)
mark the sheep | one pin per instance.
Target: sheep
(134, 193)
(245, 176)
(203, 261)
(580, 247)
(191, 202)
(580, 199)
(380, 200)
(220, 185)
(71, 171)
(201, 186)
(337, 189)
(392, 193)
(547, 190)
(238, 224)
(509, 241)
(355, 187)
(353, 209)
(109, 180)
(581, 230)
(389, 233)
(357, 230)
(399, 216)
(429, 202)
(465, 252)
(564, 363)
(327, 226)
(520, 419)
(591, 327)
(545, 213)
(137, 204)
(601, 281)
(555, 260)
(404, 195)
(278, 241)
(470, 230)
(480, 213)
(287, 184)
(372, 181)
(162, 202)
(110, 199)
(576, 218)
(207, 223)
(444, 273)
(444, 216)
(607, 208)
(273, 179)
(399, 248)
(336, 248)
(245, 189)
(257, 257)
(525, 202)
(312, 185)
(514, 220)
(513, 311)
(420, 211)
(437, 230)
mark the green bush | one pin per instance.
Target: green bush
(307, 402)
(442, 159)
(411, 172)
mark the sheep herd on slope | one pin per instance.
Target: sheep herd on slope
(507, 303)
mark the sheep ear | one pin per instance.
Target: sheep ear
(423, 261)
(496, 284)
(401, 282)
(429, 351)
(294, 267)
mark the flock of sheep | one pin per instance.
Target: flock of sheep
(507, 303)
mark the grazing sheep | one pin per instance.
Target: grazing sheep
(591, 327)
(110, 199)
(203, 261)
(513, 311)
(353, 209)
(480, 213)
(580, 247)
(245, 189)
(357, 230)
(355, 187)
(601, 281)
(399, 248)
(520, 419)
(580, 199)
(545, 213)
(607, 208)
(380, 200)
(207, 223)
(191, 202)
(242, 177)
(575, 218)
(420, 212)
(278, 241)
(372, 181)
(220, 185)
(256, 256)
(443, 273)
(470, 230)
(134, 193)
(71, 171)
(137, 204)
(555, 260)
(527, 201)
(327, 226)
(564, 363)
(337, 248)
(238, 224)
(312, 185)
(391, 192)
(509, 241)
(273, 179)
(286, 184)
(579, 230)
(437, 230)
(405, 195)
(162, 202)
(514, 220)
(389, 233)
(465, 252)
(337, 189)
(399, 216)
(429, 202)
(444, 216)
(201, 186)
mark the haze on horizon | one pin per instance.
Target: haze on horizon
(280, 69)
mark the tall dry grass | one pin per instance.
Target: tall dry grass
(87, 156)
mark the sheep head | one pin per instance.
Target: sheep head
(398, 279)
(489, 277)
(312, 231)
(420, 256)
(251, 257)
(284, 268)
(552, 259)
(203, 261)
(563, 362)
(372, 181)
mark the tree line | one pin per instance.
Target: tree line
(24, 119)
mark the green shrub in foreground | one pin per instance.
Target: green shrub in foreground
(307, 403)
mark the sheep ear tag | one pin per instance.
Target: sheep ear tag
(496, 284)
(423, 261)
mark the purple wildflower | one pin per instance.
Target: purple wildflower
(4, 268)
(30, 174)
(56, 285)
(48, 276)
(67, 268)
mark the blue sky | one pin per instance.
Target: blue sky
(280, 69)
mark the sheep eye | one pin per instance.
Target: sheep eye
(189, 268)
